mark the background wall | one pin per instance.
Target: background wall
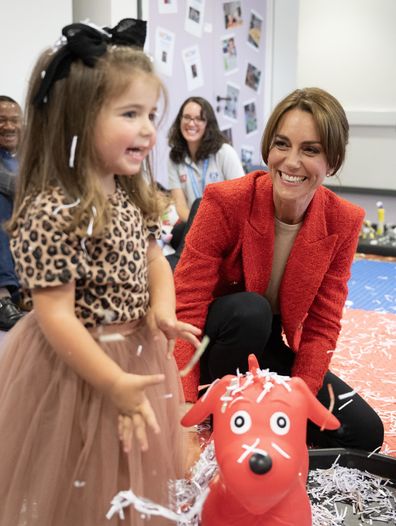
(347, 47)
(27, 28)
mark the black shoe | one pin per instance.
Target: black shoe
(9, 314)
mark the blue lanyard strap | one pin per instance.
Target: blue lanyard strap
(194, 183)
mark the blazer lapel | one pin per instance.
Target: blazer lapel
(307, 264)
(258, 237)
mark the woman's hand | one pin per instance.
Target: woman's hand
(136, 413)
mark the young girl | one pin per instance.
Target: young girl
(95, 348)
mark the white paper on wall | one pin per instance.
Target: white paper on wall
(195, 11)
(164, 51)
(166, 7)
(193, 67)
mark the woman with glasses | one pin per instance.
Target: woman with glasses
(199, 154)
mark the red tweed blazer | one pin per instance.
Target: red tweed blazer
(230, 248)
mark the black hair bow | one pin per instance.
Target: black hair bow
(87, 43)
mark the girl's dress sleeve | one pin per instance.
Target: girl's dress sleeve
(45, 253)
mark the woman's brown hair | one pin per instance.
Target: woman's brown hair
(71, 109)
(328, 115)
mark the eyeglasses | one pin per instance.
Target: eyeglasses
(195, 120)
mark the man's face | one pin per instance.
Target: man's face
(10, 125)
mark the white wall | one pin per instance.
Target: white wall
(104, 12)
(27, 28)
(348, 47)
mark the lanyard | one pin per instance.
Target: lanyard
(193, 179)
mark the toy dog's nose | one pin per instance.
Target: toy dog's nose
(260, 464)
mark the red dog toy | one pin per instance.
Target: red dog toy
(259, 422)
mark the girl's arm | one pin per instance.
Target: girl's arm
(163, 301)
(180, 203)
(54, 309)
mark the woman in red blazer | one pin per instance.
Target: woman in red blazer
(268, 258)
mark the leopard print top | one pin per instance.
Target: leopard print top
(110, 272)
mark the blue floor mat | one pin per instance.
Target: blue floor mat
(372, 286)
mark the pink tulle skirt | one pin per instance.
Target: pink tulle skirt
(61, 462)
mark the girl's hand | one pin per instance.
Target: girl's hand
(172, 328)
(136, 413)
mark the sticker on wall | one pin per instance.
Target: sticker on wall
(231, 105)
(253, 75)
(194, 17)
(164, 51)
(249, 109)
(247, 157)
(227, 132)
(229, 54)
(193, 67)
(166, 7)
(254, 33)
(232, 14)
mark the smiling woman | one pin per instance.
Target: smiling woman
(199, 154)
(269, 255)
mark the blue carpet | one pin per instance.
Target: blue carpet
(373, 286)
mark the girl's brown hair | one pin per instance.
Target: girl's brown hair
(211, 142)
(72, 109)
(328, 115)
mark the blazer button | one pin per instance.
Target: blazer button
(234, 283)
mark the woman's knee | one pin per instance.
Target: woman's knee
(246, 312)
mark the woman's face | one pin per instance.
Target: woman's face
(192, 126)
(297, 162)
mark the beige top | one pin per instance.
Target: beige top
(285, 235)
(110, 272)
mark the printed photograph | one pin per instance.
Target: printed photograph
(231, 105)
(253, 75)
(232, 14)
(246, 157)
(193, 14)
(229, 54)
(250, 117)
(254, 34)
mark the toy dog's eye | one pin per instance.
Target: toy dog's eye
(280, 423)
(240, 422)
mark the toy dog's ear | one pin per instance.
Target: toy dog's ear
(317, 412)
(207, 403)
(253, 363)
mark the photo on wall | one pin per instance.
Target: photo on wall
(227, 132)
(249, 109)
(253, 76)
(231, 105)
(246, 157)
(255, 26)
(229, 54)
(232, 14)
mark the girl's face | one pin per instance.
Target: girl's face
(125, 128)
(297, 162)
(192, 126)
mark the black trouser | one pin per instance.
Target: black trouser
(179, 232)
(241, 324)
